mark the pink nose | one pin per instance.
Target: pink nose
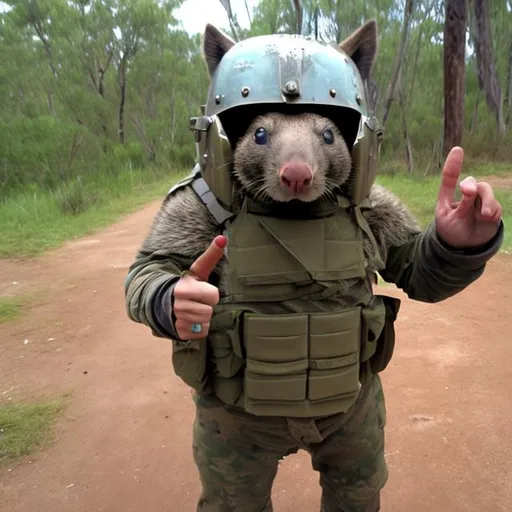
(296, 176)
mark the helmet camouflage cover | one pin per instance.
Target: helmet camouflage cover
(286, 73)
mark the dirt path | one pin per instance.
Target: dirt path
(124, 443)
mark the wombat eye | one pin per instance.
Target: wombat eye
(260, 136)
(328, 136)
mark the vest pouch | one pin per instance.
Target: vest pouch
(301, 365)
(374, 318)
(385, 344)
(226, 358)
(276, 350)
(224, 340)
(189, 359)
(335, 341)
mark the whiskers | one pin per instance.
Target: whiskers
(329, 187)
(262, 194)
(258, 186)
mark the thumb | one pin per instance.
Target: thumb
(206, 263)
(468, 188)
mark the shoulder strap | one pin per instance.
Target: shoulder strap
(219, 213)
(358, 209)
(201, 188)
(363, 224)
(185, 181)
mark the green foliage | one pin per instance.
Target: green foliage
(72, 198)
(422, 77)
(76, 74)
(26, 427)
(63, 63)
(33, 220)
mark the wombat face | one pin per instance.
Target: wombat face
(284, 157)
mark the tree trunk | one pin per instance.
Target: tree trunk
(454, 72)
(101, 91)
(399, 60)
(235, 28)
(435, 162)
(50, 103)
(418, 49)
(122, 95)
(509, 84)
(102, 69)
(174, 117)
(317, 12)
(299, 12)
(474, 117)
(407, 140)
(248, 13)
(487, 76)
(373, 95)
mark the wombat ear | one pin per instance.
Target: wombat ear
(215, 45)
(361, 47)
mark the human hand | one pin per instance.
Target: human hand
(194, 297)
(475, 219)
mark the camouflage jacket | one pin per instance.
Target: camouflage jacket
(424, 267)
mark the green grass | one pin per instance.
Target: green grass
(25, 428)
(36, 220)
(482, 168)
(420, 195)
(10, 308)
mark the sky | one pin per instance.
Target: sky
(195, 14)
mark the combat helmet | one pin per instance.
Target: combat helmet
(289, 74)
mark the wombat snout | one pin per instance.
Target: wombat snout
(295, 176)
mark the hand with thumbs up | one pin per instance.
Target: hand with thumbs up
(194, 297)
(475, 219)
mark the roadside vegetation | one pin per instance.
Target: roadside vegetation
(27, 427)
(96, 99)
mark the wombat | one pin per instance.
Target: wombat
(291, 160)
(280, 158)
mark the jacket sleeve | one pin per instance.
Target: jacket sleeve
(148, 291)
(428, 270)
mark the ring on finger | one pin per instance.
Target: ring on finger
(196, 328)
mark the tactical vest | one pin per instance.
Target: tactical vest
(297, 327)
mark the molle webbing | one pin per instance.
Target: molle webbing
(297, 318)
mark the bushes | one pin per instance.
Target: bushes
(72, 198)
(55, 154)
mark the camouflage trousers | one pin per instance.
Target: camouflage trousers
(238, 454)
